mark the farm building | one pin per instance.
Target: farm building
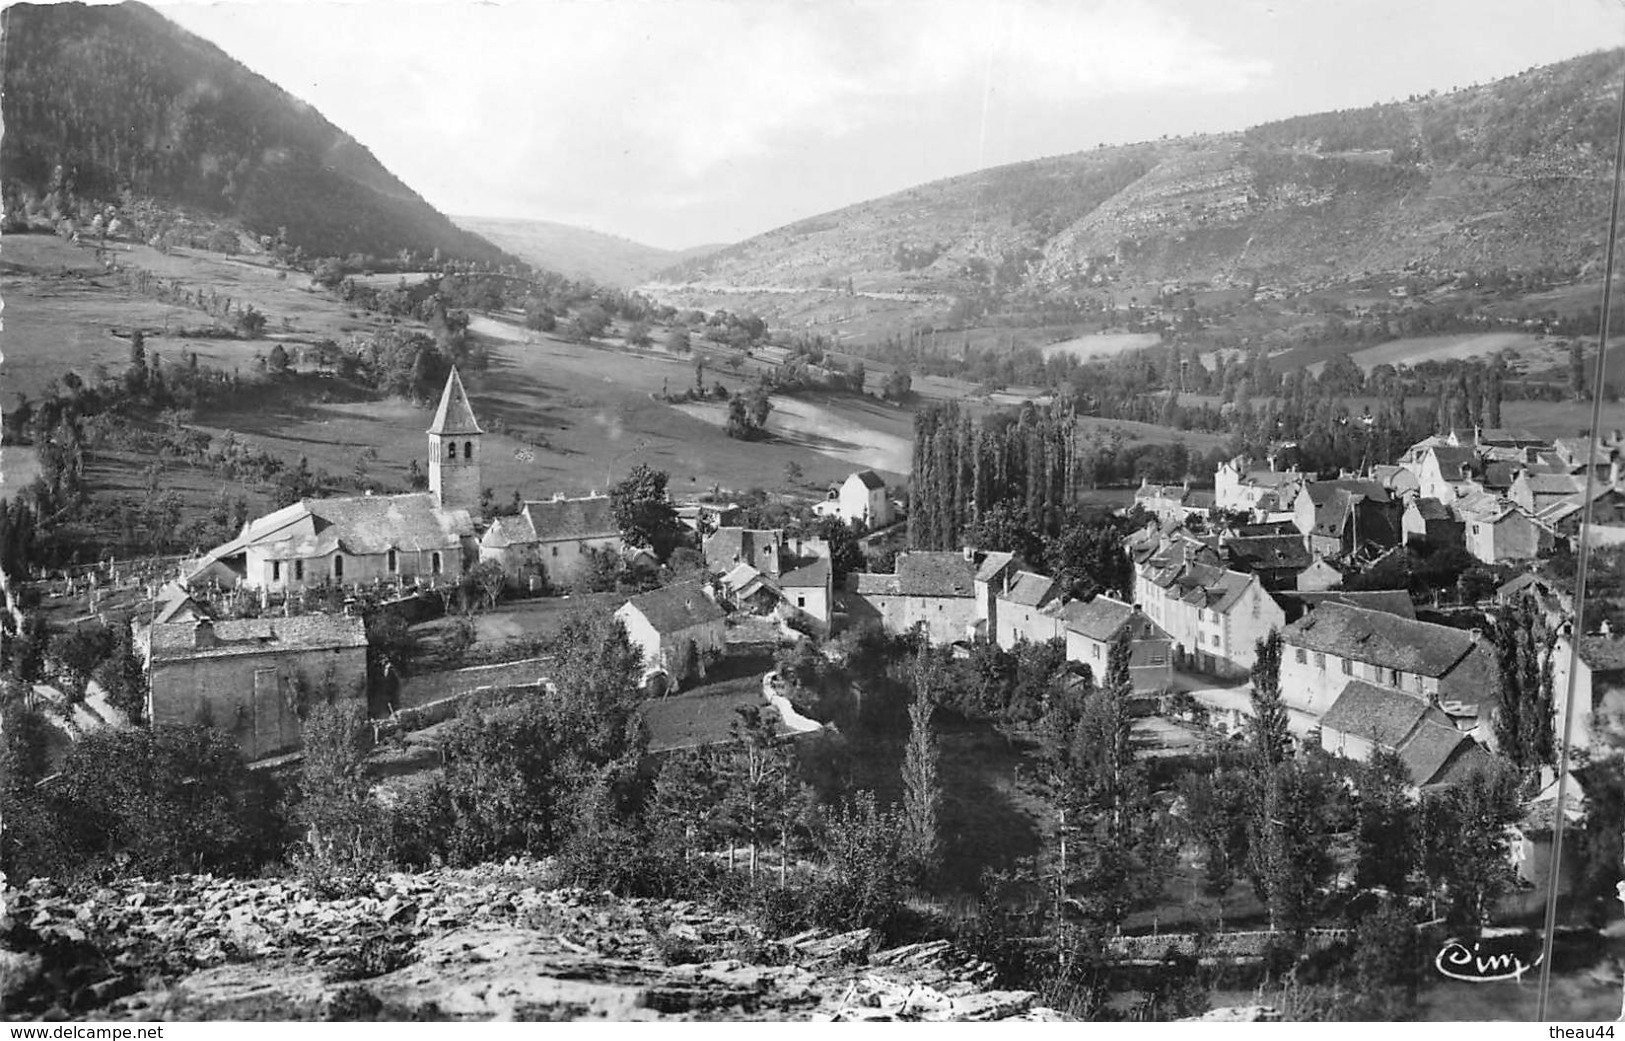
(679, 629)
(247, 676)
(552, 539)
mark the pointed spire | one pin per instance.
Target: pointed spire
(454, 416)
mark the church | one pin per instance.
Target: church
(425, 538)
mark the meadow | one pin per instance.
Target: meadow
(1102, 345)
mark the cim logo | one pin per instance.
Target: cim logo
(1487, 960)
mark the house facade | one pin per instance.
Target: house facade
(1336, 644)
(808, 594)
(249, 676)
(552, 540)
(679, 629)
(862, 498)
(1093, 626)
(936, 590)
(1214, 616)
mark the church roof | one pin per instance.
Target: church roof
(455, 416)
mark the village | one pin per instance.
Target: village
(240, 637)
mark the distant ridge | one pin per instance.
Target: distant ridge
(1513, 173)
(120, 99)
(579, 253)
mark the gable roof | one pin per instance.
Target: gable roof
(1030, 589)
(455, 415)
(1390, 601)
(589, 517)
(1552, 484)
(508, 531)
(1430, 509)
(1436, 753)
(361, 525)
(731, 543)
(1269, 551)
(1454, 461)
(992, 564)
(1378, 714)
(176, 641)
(676, 607)
(1099, 619)
(817, 573)
(920, 573)
(869, 479)
(1380, 638)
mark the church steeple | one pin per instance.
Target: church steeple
(454, 449)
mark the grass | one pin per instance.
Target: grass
(1102, 345)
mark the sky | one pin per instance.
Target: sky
(679, 123)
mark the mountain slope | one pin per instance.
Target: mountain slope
(121, 99)
(1512, 173)
(579, 252)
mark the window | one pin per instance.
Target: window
(451, 450)
(299, 571)
(276, 570)
(1320, 661)
(392, 562)
(1394, 676)
(1215, 639)
(1301, 655)
(801, 601)
(555, 551)
(1096, 650)
(338, 566)
(1258, 607)
(1348, 667)
(468, 449)
(434, 562)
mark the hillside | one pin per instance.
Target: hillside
(1512, 173)
(122, 100)
(579, 253)
(493, 942)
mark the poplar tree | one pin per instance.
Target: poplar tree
(922, 785)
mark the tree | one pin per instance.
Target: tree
(1272, 740)
(677, 340)
(1524, 715)
(1577, 370)
(590, 322)
(1289, 843)
(1386, 841)
(899, 386)
(845, 548)
(277, 361)
(343, 826)
(489, 579)
(739, 425)
(922, 787)
(864, 885)
(78, 653)
(792, 472)
(758, 781)
(1465, 844)
(644, 513)
(637, 334)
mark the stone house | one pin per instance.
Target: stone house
(1318, 577)
(1336, 644)
(1214, 616)
(807, 593)
(1429, 520)
(762, 549)
(862, 498)
(679, 629)
(1275, 559)
(1242, 487)
(248, 676)
(1496, 530)
(1366, 718)
(1534, 491)
(929, 588)
(1021, 613)
(552, 539)
(1093, 625)
(1340, 517)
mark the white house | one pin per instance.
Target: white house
(679, 629)
(807, 593)
(1214, 616)
(862, 497)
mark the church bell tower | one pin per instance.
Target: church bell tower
(454, 450)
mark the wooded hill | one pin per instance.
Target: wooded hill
(119, 99)
(1513, 173)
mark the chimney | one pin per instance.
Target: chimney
(1476, 635)
(203, 634)
(970, 554)
(1605, 629)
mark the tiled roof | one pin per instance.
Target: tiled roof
(935, 574)
(1454, 460)
(370, 524)
(1498, 475)
(1390, 601)
(1030, 589)
(1384, 639)
(1322, 491)
(740, 576)
(1484, 507)
(171, 641)
(1200, 499)
(1431, 509)
(678, 606)
(1509, 436)
(1437, 753)
(1098, 619)
(1553, 484)
(817, 573)
(991, 564)
(869, 479)
(556, 520)
(508, 531)
(1378, 714)
(455, 415)
(1270, 551)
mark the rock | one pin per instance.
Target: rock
(19, 972)
(991, 1005)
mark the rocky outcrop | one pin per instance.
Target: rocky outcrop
(494, 942)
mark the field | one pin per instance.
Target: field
(1532, 353)
(1102, 345)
